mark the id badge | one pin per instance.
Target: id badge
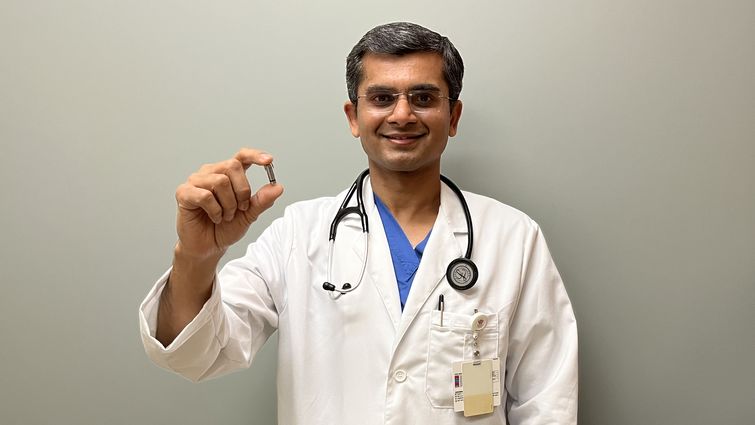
(477, 386)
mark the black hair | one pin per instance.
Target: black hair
(401, 38)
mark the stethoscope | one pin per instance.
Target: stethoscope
(461, 272)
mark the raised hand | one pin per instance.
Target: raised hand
(216, 206)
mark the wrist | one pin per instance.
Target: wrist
(185, 256)
(192, 274)
(195, 267)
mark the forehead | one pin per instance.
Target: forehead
(402, 72)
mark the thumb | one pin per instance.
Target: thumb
(262, 200)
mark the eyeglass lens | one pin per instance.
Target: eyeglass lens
(420, 101)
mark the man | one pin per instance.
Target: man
(400, 342)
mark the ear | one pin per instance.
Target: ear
(455, 117)
(351, 114)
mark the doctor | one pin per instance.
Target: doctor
(390, 351)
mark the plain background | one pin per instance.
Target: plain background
(625, 128)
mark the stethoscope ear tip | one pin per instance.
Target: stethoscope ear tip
(332, 288)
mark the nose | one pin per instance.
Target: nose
(402, 112)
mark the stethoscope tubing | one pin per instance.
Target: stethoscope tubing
(359, 210)
(338, 292)
(467, 214)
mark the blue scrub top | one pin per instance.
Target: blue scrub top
(405, 258)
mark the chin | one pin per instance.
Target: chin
(405, 165)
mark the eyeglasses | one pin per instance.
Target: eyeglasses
(420, 101)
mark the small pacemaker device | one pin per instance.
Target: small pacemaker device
(270, 173)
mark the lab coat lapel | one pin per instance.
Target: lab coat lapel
(380, 274)
(349, 250)
(442, 248)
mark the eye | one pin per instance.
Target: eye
(381, 99)
(424, 99)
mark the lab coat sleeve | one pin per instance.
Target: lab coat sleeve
(541, 366)
(237, 319)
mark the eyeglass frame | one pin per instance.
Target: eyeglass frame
(409, 94)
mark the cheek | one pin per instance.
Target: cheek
(368, 126)
(440, 127)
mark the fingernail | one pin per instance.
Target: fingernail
(244, 205)
(265, 157)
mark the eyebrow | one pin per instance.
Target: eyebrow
(382, 89)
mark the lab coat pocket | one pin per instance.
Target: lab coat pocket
(453, 342)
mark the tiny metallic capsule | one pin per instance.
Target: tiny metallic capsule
(270, 173)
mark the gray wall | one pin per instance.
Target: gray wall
(625, 128)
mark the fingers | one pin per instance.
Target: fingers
(235, 171)
(263, 199)
(240, 184)
(222, 188)
(248, 157)
(192, 198)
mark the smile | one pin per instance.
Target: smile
(402, 139)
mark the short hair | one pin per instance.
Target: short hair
(401, 38)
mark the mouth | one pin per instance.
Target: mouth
(402, 138)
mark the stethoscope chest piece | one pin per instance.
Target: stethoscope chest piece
(461, 274)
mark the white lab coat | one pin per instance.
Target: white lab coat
(359, 359)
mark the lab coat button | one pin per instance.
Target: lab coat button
(399, 375)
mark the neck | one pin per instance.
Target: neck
(412, 197)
